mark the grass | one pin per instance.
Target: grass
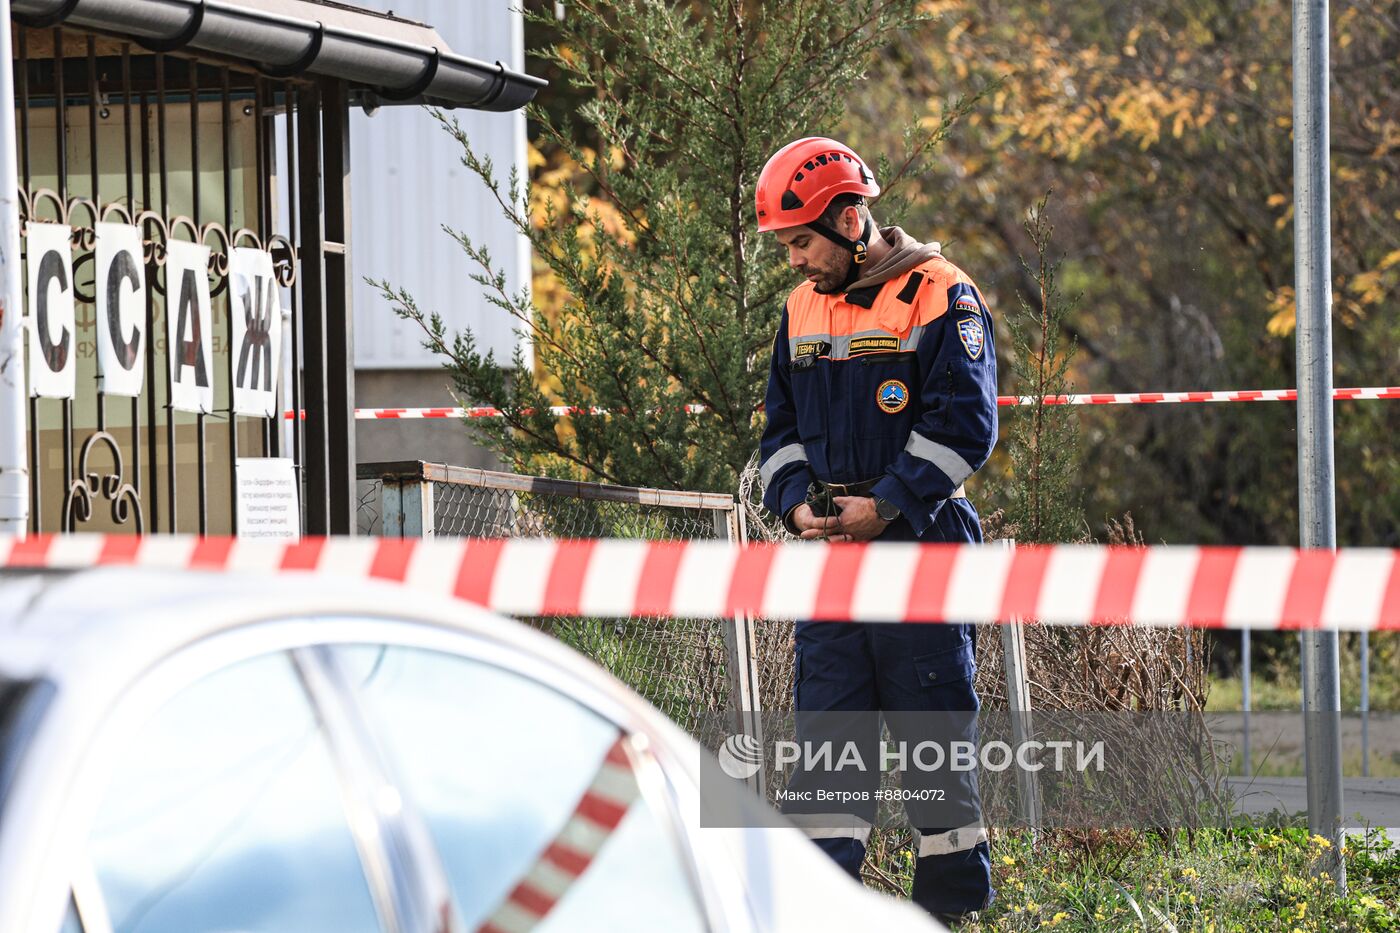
(1275, 684)
(1213, 881)
(1279, 691)
(1385, 763)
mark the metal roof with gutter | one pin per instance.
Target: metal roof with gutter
(396, 59)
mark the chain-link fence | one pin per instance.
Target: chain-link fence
(686, 668)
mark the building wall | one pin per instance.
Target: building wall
(435, 441)
(408, 182)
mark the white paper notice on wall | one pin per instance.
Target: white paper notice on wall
(52, 363)
(256, 307)
(267, 498)
(188, 327)
(121, 309)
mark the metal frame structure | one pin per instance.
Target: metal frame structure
(145, 70)
(152, 92)
(408, 510)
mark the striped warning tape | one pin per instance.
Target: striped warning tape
(1158, 398)
(1213, 587)
(559, 411)
(599, 812)
(1121, 398)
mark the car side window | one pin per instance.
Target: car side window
(71, 923)
(224, 814)
(527, 794)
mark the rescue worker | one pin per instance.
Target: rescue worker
(881, 402)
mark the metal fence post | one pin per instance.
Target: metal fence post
(1246, 698)
(406, 504)
(742, 658)
(1018, 702)
(1365, 704)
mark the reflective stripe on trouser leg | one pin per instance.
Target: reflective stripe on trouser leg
(954, 840)
(841, 836)
(832, 826)
(954, 882)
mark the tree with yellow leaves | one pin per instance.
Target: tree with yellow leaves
(1165, 129)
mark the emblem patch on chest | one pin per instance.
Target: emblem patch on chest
(892, 396)
(972, 336)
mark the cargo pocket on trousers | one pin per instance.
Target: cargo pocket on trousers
(949, 671)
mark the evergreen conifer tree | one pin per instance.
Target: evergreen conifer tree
(1043, 439)
(667, 295)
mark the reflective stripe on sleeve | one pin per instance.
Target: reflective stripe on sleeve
(838, 346)
(945, 458)
(954, 840)
(831, 826)
(792, 453)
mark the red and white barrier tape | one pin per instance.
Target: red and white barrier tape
(397, 414)
(1121, 398)
(599, 812)
(1212, 587)
(1240, 395)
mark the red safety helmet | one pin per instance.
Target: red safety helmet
(801, 178)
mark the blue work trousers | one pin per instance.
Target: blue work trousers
(847, 678)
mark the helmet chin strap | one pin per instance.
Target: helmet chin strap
(859, 249)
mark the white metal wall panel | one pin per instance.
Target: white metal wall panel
(408, 181)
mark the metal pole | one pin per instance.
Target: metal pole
(1246, 691)
(744, 684)
(339, 287)
(1365, 704)
(1312, 266)
(1018, 705)
(14, 466)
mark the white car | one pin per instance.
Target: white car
(214, 753)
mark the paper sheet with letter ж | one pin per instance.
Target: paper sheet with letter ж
(267, 498)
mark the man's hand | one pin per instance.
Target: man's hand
(809, 526)
(858, 520)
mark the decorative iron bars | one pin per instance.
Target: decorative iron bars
(686, 668)
(178, 150)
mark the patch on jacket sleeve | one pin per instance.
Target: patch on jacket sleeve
(971, 334)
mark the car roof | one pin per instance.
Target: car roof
(54, 623)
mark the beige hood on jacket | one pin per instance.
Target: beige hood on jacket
(905, 253)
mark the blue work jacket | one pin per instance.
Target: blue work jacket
(895, 381)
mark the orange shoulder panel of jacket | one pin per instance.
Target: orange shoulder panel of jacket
(808, 312)
(813, 313)
(930, 302)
